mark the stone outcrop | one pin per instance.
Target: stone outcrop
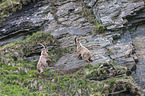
(114, 17)
(23, 22)
(66, 19)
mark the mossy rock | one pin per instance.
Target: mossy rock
(97, 29)
(121, 88)
(11, 6)
(105, 71)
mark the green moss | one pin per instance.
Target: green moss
(97, 29)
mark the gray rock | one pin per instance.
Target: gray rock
(127, 62)
(118, 50)
(70, 61)
(15, 38)
(136, 17)
(68, 30)
(99, 56)
(138, 38)
(112, 15)
(90, 3)
(65, 9)
(27, 21)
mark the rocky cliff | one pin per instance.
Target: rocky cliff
(112, 30)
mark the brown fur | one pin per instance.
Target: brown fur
(42, 63)
(83, 52)
(128, 53)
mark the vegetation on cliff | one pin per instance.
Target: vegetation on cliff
(18, 60)
(18, 74)
(10, 6)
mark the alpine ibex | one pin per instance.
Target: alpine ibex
(83, 52)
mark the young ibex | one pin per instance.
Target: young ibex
(83, 52)
(42, 63)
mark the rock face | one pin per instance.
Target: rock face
(113, 18)
(138, 38)
(137, 18)
(95, 45)
(65, 20)
(28, 20)
(136, 25)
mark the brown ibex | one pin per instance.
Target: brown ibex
(83, 52)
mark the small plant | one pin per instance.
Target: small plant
(97, 29)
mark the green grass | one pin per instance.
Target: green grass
(16, 81)
(14, 90)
